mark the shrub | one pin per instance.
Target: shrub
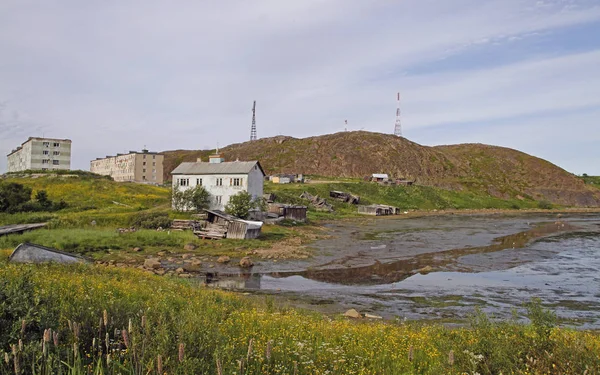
(151, 220)
(545, 205)
(194, 199)
(13, 196)
(240, 204)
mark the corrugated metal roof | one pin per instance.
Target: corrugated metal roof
(231, 167)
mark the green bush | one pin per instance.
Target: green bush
(545, 205)
(151, 220)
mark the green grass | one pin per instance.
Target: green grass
(135, 318)
(405, 197)
(106, 243)
(90, 198)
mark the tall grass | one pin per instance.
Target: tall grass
(112, 321)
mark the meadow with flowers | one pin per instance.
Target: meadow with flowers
(95, 320)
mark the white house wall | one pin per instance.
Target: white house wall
(252, 183)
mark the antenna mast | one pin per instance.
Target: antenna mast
(398, 127)
(253, 130)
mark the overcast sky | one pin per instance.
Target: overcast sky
(119, 75)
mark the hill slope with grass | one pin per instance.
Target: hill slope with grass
(496, 171)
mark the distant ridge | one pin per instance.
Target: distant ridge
(498, 171)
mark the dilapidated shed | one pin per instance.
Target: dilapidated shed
(32, 253)
(288, 211)
(222, 225)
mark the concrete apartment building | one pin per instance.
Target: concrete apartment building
(142, 167)
(40, 154)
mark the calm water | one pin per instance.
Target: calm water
(562, 270)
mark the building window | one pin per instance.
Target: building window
(56, 153)
(219, 182)
(56, 144)
(199, 181)
(46, 144)
(45, 161)
(55, 162)
(153, 156)
(218, 199)
(236, 182)
(144, 163)
(184, 182)
(45, 152)
(153, 163)
(144, 156)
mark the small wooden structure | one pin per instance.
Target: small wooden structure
(378, 210)
(344, 197)
(222, 225)
(19, 228)
(288, 211)
(379, 177)
(32, 253)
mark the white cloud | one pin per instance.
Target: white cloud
(118, 75)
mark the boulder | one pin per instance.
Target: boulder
(246, 262)
(186, 256)
(152, 263)
(352, 313)
(179, 270)
(136, 249)
(190, 247)
(370, 316)
(224, 259)
(160, 271)
(196, 262)
(161, 253)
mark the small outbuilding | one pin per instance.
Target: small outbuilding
(288, 211)
(32, 253)
(222, 225)
(378, 210)
(379, 177)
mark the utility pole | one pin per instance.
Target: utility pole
(253, 129)
(398, 126)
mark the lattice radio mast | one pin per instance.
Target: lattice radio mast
(253, 130)
(398, 127)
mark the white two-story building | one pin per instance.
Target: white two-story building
(221, 179)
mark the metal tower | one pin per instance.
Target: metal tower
(253, 130)
(398, 127)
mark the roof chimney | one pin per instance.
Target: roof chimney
(215, 159)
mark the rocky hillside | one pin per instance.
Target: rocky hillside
(498, 171)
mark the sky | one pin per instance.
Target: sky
(120, 75)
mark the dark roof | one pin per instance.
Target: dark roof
(223, 215)
(231, 167)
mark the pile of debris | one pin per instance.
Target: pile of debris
(184, 224)
(126, 230)
(319, 203)
(345, 197)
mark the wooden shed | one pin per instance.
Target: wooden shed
(288, 211)
(222, 225)
(378, 210)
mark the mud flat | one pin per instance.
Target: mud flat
(443, 267)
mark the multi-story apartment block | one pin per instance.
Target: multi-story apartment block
(144, 167)
(41, 154)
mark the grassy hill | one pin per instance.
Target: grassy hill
(475, 168)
